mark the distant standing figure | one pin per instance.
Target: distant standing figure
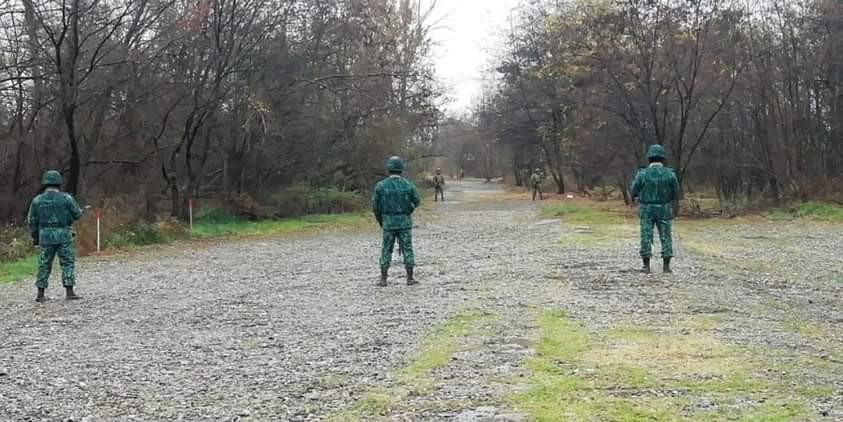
(536, 182)
(50, 218)
(439, 186)
(393, 202)
(656, 187)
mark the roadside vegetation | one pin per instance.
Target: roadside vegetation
(293, 211)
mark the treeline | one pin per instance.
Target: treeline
(156, 101)
(746, 96)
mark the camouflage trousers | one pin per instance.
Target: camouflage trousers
(405, 242)
(537, 190)
(439, 191)
(67, 260)
(656, 217)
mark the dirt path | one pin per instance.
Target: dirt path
(295, 329)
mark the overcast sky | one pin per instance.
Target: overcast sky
(465, 41)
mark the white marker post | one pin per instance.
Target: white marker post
(99, 229)
(190, 211)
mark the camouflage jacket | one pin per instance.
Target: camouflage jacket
(536, 179)
(51, 217)
(655, 185)
(439, 180)
(393, 202)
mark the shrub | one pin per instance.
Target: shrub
(302, 200)
(15, 243)
(141, 233)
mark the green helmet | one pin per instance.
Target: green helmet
(394, 165)
(52, 178)
(656, 151)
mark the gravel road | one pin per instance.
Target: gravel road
(294, 328)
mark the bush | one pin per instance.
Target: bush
(302, 200)
(215, 216)
(141, 234)
(15, 243)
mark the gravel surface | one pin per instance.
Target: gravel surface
(286, 329)
(295, 329)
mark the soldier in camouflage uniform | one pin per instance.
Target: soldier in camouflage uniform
(50, 218)
(656, 187)
(438, 186)
(393, 202)
(536, 181)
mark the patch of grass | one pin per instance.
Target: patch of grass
(375, 404)
(440, 346)
(580, 214)
(591, 224)
(807, 330)
(776, 413)
(813, 210)
(436, 351)
(612, 375)
(560, 338)
(18, 269)
(221, 225)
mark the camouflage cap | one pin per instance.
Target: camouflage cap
(394, 165)
(656, 151)
(52, 178)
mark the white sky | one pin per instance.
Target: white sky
(465, 39)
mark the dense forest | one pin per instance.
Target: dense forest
(156, 101)
(746, 96)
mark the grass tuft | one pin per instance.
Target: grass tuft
(811, 210)
(18, 269)
(631, 373)
(579, 214)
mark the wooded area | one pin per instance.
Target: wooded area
(746, 96)
(159, 100)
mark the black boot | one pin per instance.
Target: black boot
(384, 273)
(410, 280)
(41, 298)
(666, 266)
(70, 295)
(646, 267)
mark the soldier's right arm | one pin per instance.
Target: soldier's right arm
(637, 184)
(32, 221)
(377, 206)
